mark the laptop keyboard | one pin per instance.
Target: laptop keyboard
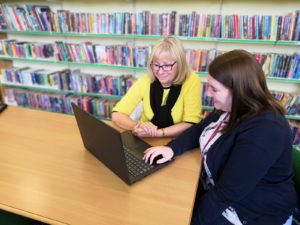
(135, 165)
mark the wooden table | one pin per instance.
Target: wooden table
(46, 174)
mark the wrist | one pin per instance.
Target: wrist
(163, 132)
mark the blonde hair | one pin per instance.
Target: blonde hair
(173, 46)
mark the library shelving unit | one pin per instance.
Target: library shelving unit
(214, 7)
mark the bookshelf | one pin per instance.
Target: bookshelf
(214, 7)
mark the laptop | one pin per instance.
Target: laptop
(121, 152)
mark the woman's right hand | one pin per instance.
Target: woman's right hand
(151, 153)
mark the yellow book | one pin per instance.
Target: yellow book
(57, 24)
(273, 29)
(2, 77)
(200, 26)
(4, 47)
(131, 56)
(83, 58)
(92, 23)
(13, 50)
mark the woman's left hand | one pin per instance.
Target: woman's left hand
(146, 129)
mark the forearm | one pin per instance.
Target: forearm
(174, 130)
(189, 139)
(123, 120)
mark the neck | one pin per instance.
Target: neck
(166, 85)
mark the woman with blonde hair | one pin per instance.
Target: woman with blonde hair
(170, 94)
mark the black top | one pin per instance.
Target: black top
(162, 114)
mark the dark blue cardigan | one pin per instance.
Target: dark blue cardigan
(252, 169)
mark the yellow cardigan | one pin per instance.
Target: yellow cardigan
(186, 109)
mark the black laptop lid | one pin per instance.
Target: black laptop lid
(95, 135)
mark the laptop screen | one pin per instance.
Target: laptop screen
(103, 141)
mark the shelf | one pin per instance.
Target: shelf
(240, 41)
(73, 34)
(73, 63)
(83, 64)
(202, 74)
(52, 90)
(282, 79)
(206, 107)
(289, 117)
(275, 79)
(138, 36)
(293, 117)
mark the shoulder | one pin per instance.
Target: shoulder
(193, 80)
(267, 118)
(266, 125)
(144, 80)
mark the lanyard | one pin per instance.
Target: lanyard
(207, 180)
(215, 131)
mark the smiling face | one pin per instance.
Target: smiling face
(161, 66)
(221, 95)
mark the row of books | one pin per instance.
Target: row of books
(261, 27)
(83, 52)
(110, 54)
(206, 100)
(291, 102)
(295, 127)
(97, 106)
(69, 80)
(30, 77)
(280, 65)
(59, 102)
(274, 64)
(42, 18)
(11, 47)
(76, 81)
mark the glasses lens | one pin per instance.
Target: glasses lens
(167, 67)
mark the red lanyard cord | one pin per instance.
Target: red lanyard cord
(216, 131)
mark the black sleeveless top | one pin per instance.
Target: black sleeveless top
(162, 114)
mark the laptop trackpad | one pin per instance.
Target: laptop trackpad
(133, 143)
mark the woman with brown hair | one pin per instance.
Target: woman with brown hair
(246, 147)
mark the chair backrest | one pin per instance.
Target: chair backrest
(296, 167)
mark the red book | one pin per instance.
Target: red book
(14, 9)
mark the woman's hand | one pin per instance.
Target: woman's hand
(151, 153)
(146, 129)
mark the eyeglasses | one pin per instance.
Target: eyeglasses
(166, 67)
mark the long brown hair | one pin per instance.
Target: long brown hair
(243, 75)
